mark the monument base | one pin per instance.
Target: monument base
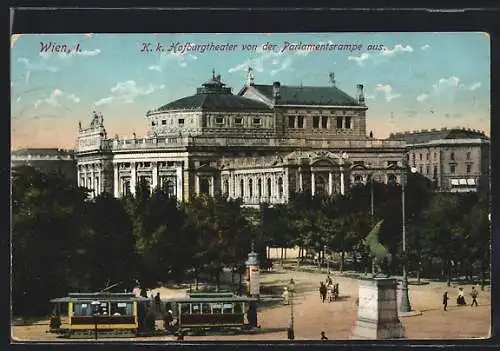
(377, 310)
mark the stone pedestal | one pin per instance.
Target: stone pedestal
(377, 310)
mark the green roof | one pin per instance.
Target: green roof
(425, 136)
(308, 95)
(214, 96)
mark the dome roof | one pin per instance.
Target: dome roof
(214, 96)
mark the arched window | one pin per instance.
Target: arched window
(250, 190)
(242, 188)
(126, 187)
(320, 186)
(391, 179)
(269, 188)
(358, 179)
(280, 187)
(169, 186)
(204, 186)
(259, 187)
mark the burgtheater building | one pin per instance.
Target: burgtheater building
(261, 145)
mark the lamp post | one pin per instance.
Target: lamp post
(95, 310)
(327, 260)
(405, 300)
(291, 289)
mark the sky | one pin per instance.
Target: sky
(412, 81)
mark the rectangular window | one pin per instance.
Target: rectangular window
(219, 120)
(324, 122)
(427, 170)
(203, 121)
(427, 156)
(153, 123)
(181, 121)
(339, 122)
(468, 155)
(238, 121)
(469, 167)
(420, 156)
(452, 169)
(300, 122)
(452, 156)
(348, 122)
(163, 121)
(257, 121)
(421, 170)
(315, 122)
(291, 121)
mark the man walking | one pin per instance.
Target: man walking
(474, 296)
(445, 300)
(323, 336)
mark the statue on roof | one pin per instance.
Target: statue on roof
(250, 77)
(79, 126)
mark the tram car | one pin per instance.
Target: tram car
(102, 314)
(199, 311)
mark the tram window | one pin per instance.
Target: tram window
(121, 309)
(227, 308)
(216, 308)
(238, 308)
(82, 309)
(185, 308)
(205, 308)
(195, 308)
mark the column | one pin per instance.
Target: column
(197, 184)
(232, 191)
(212, 186)
(154, 178)
(301, 181)
(179, 193)
(313, 183)
(116, 183)
(274, 186)
(330, 183)
(342, 183)
(133, 177)
(92, 182)
(285, 186)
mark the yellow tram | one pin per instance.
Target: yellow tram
(103, 314)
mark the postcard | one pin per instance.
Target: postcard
(250, 187)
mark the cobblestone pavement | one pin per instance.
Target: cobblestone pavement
(311, 316)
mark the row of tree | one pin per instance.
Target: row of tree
(63, 242)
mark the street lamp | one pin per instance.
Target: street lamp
(95, 311)
(291, 289)
(405, 300)
(327, 259)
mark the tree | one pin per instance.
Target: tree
(46, 221)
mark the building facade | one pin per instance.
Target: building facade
(455, 160)
(261, 145)
(47, 160)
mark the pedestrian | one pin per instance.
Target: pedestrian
(323, 336)
(158, 302)
(445, 300)
(461, 297)
(285, 296)
(474, 297)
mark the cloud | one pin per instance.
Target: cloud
(126, 92)
(387, 91)
(451, 82)
(257, 63)
(181, 59)
(41, 66)
(425, 47)
(72, 53)
(475, 86)
(422, 97)
(359, 59)
(398, 48)
(285, 66)
(54, 98)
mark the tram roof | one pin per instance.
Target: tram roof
(212, 299)
(73, 297)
